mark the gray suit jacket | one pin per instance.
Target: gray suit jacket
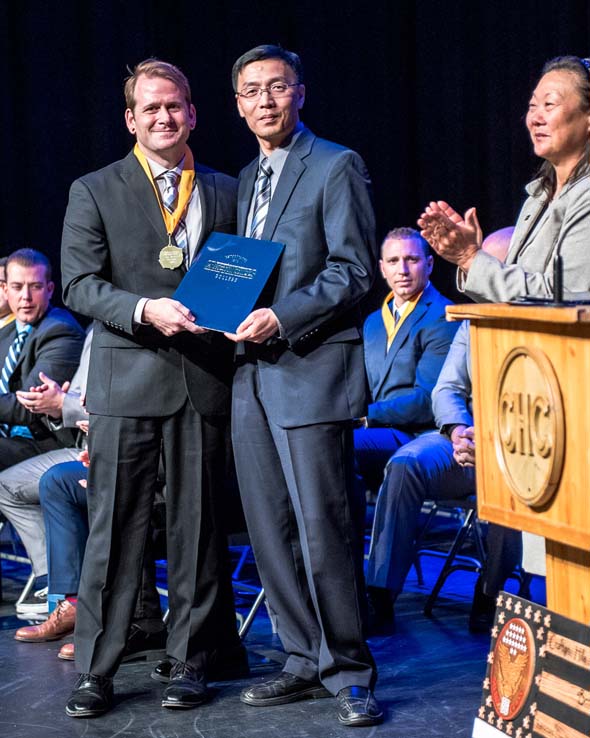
(322, 211)
(528, 270)
(113, 233)
(402, 378)
(53, 346)
(451, 397)
(72, 411)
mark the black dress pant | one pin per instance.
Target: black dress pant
(124, 455)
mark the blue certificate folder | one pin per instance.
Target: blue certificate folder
(225, 280)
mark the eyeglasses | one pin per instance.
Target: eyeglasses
(277, 89)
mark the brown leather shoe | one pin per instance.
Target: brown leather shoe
(58, 625)
(66, 652)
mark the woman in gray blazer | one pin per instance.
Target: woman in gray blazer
(555, 218)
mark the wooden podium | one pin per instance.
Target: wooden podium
(531, 395)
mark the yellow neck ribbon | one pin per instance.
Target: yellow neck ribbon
(390, 326)
(185, 189)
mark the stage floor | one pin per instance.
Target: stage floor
(430, 674)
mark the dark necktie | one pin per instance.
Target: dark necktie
(10, 362)
(261, 199)
(170, 197)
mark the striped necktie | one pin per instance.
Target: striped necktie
(9, 364)
(169, 198)
(261, 199)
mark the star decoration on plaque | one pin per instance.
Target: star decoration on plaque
(522, 628)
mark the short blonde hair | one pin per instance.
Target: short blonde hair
(153, 67)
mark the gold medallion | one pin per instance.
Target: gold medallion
(171, 257)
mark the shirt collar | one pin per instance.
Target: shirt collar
(157, 169)
(20, 327)
(279, 156)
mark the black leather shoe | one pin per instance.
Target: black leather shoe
(143, 645)
(92, 696)
(357, 706)
(161, 672)
(222, 666)
(283, 689)
(186, 688)
(483, 610)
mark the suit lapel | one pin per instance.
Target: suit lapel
(7, 336)
(292, 171)
(402, 337)
(529, 218)
(11, 335)
(375, 351)
(245, 191)
(205, 186)
(143, 193)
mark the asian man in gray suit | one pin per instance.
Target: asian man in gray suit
(300, 380)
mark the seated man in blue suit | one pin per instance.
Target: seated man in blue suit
(438, 466)
(405, 346)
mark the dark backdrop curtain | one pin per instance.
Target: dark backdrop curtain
(432, 94)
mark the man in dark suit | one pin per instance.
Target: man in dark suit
(157, 381)
(52, 344)
(406, 342)
(299, 382)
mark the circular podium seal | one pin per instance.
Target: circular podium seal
(530, 427)
(513, 668)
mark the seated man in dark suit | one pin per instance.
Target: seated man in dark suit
(58, 406)
(405, 346)
(39, 338)
(437, 466)
(42, 338)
